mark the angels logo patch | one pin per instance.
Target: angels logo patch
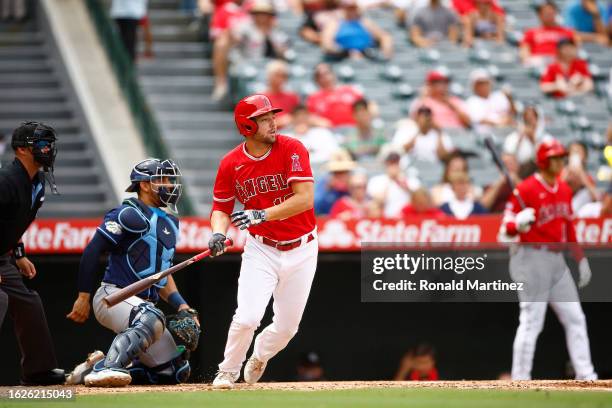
(295, 162)
(113, 227)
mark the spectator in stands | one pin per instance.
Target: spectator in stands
(423, 142)
(496, 195)
(421, 205)
(433, 24)
(127, 15)
(258, 37)
(539, 44)
(13, 10)
(367, 137)
(309, 367)
(333, 102)
(461, 205)
(588, 18)
(465, 7)
(355, 36)
(333, 185)
(483, 22)
(448, 111)
(418, 364)
(357, 204)
(568, 75)
(278, 73)
(489, 109)
(319, 141)
(319, 13)
(598, 209)
(390, 191)
(577, 176)
(252, 39)
(530, 131)
(443, 192)
(225, 19)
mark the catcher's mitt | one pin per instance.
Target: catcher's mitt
(184, 328)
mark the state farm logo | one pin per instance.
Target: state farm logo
(61, 236)
(592, 233)
(336, 233)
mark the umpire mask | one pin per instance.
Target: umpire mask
(44, 149)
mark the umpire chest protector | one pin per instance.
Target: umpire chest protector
(153, 249)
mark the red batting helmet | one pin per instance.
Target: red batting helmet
(249, 108)
(547, 149)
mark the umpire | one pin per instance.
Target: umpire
(22, 192)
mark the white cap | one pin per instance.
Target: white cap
(479, 74)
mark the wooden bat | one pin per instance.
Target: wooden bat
(143, 284)
(488, 141)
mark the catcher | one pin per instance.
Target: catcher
(140, 237)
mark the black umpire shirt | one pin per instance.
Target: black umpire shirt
(20, 199)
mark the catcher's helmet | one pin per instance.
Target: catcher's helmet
(249, 108)
(164, 176)
(547, 149)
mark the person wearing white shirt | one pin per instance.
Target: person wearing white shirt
(391, 191)
(127, 15)
(530, 132)
(320, 142)
(598, 209)
(488, 109)
(423, 142)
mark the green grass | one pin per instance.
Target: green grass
(413, 398)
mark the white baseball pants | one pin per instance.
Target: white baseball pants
(117, 318)
(548, 281)
(267, 272)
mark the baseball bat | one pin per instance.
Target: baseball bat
(488, 141)
(143, 284)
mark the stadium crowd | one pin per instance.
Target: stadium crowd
(342, 129)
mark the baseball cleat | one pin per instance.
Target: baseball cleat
(253, 370)
(225, 380)
(77, 376)
(108, 377)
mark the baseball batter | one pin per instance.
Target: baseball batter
(140, 239)
(270, 175)
(546, 219)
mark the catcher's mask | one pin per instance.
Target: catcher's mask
(165, 179)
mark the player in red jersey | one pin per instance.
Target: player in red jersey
(544, 224)
(270, 175)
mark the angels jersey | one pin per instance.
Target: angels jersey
(553, 211)
(262, 182)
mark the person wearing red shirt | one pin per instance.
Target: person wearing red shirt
(465, 7)
(539, 44)
(278, 73)
(542, 222)
(332, 102)
(569, 75)
(421, 206)
(356, 205)
(418, 364)
(270, 175)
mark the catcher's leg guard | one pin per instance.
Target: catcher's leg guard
(175, 371)
(147, 323)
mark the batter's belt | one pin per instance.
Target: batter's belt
(284, 245)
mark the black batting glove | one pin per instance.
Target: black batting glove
(245, 218)
(216, 244)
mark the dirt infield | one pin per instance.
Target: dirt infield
(562, 385)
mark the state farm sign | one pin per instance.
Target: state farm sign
(70, 236)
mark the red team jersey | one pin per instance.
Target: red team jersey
(265, 181)
(553, 211)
